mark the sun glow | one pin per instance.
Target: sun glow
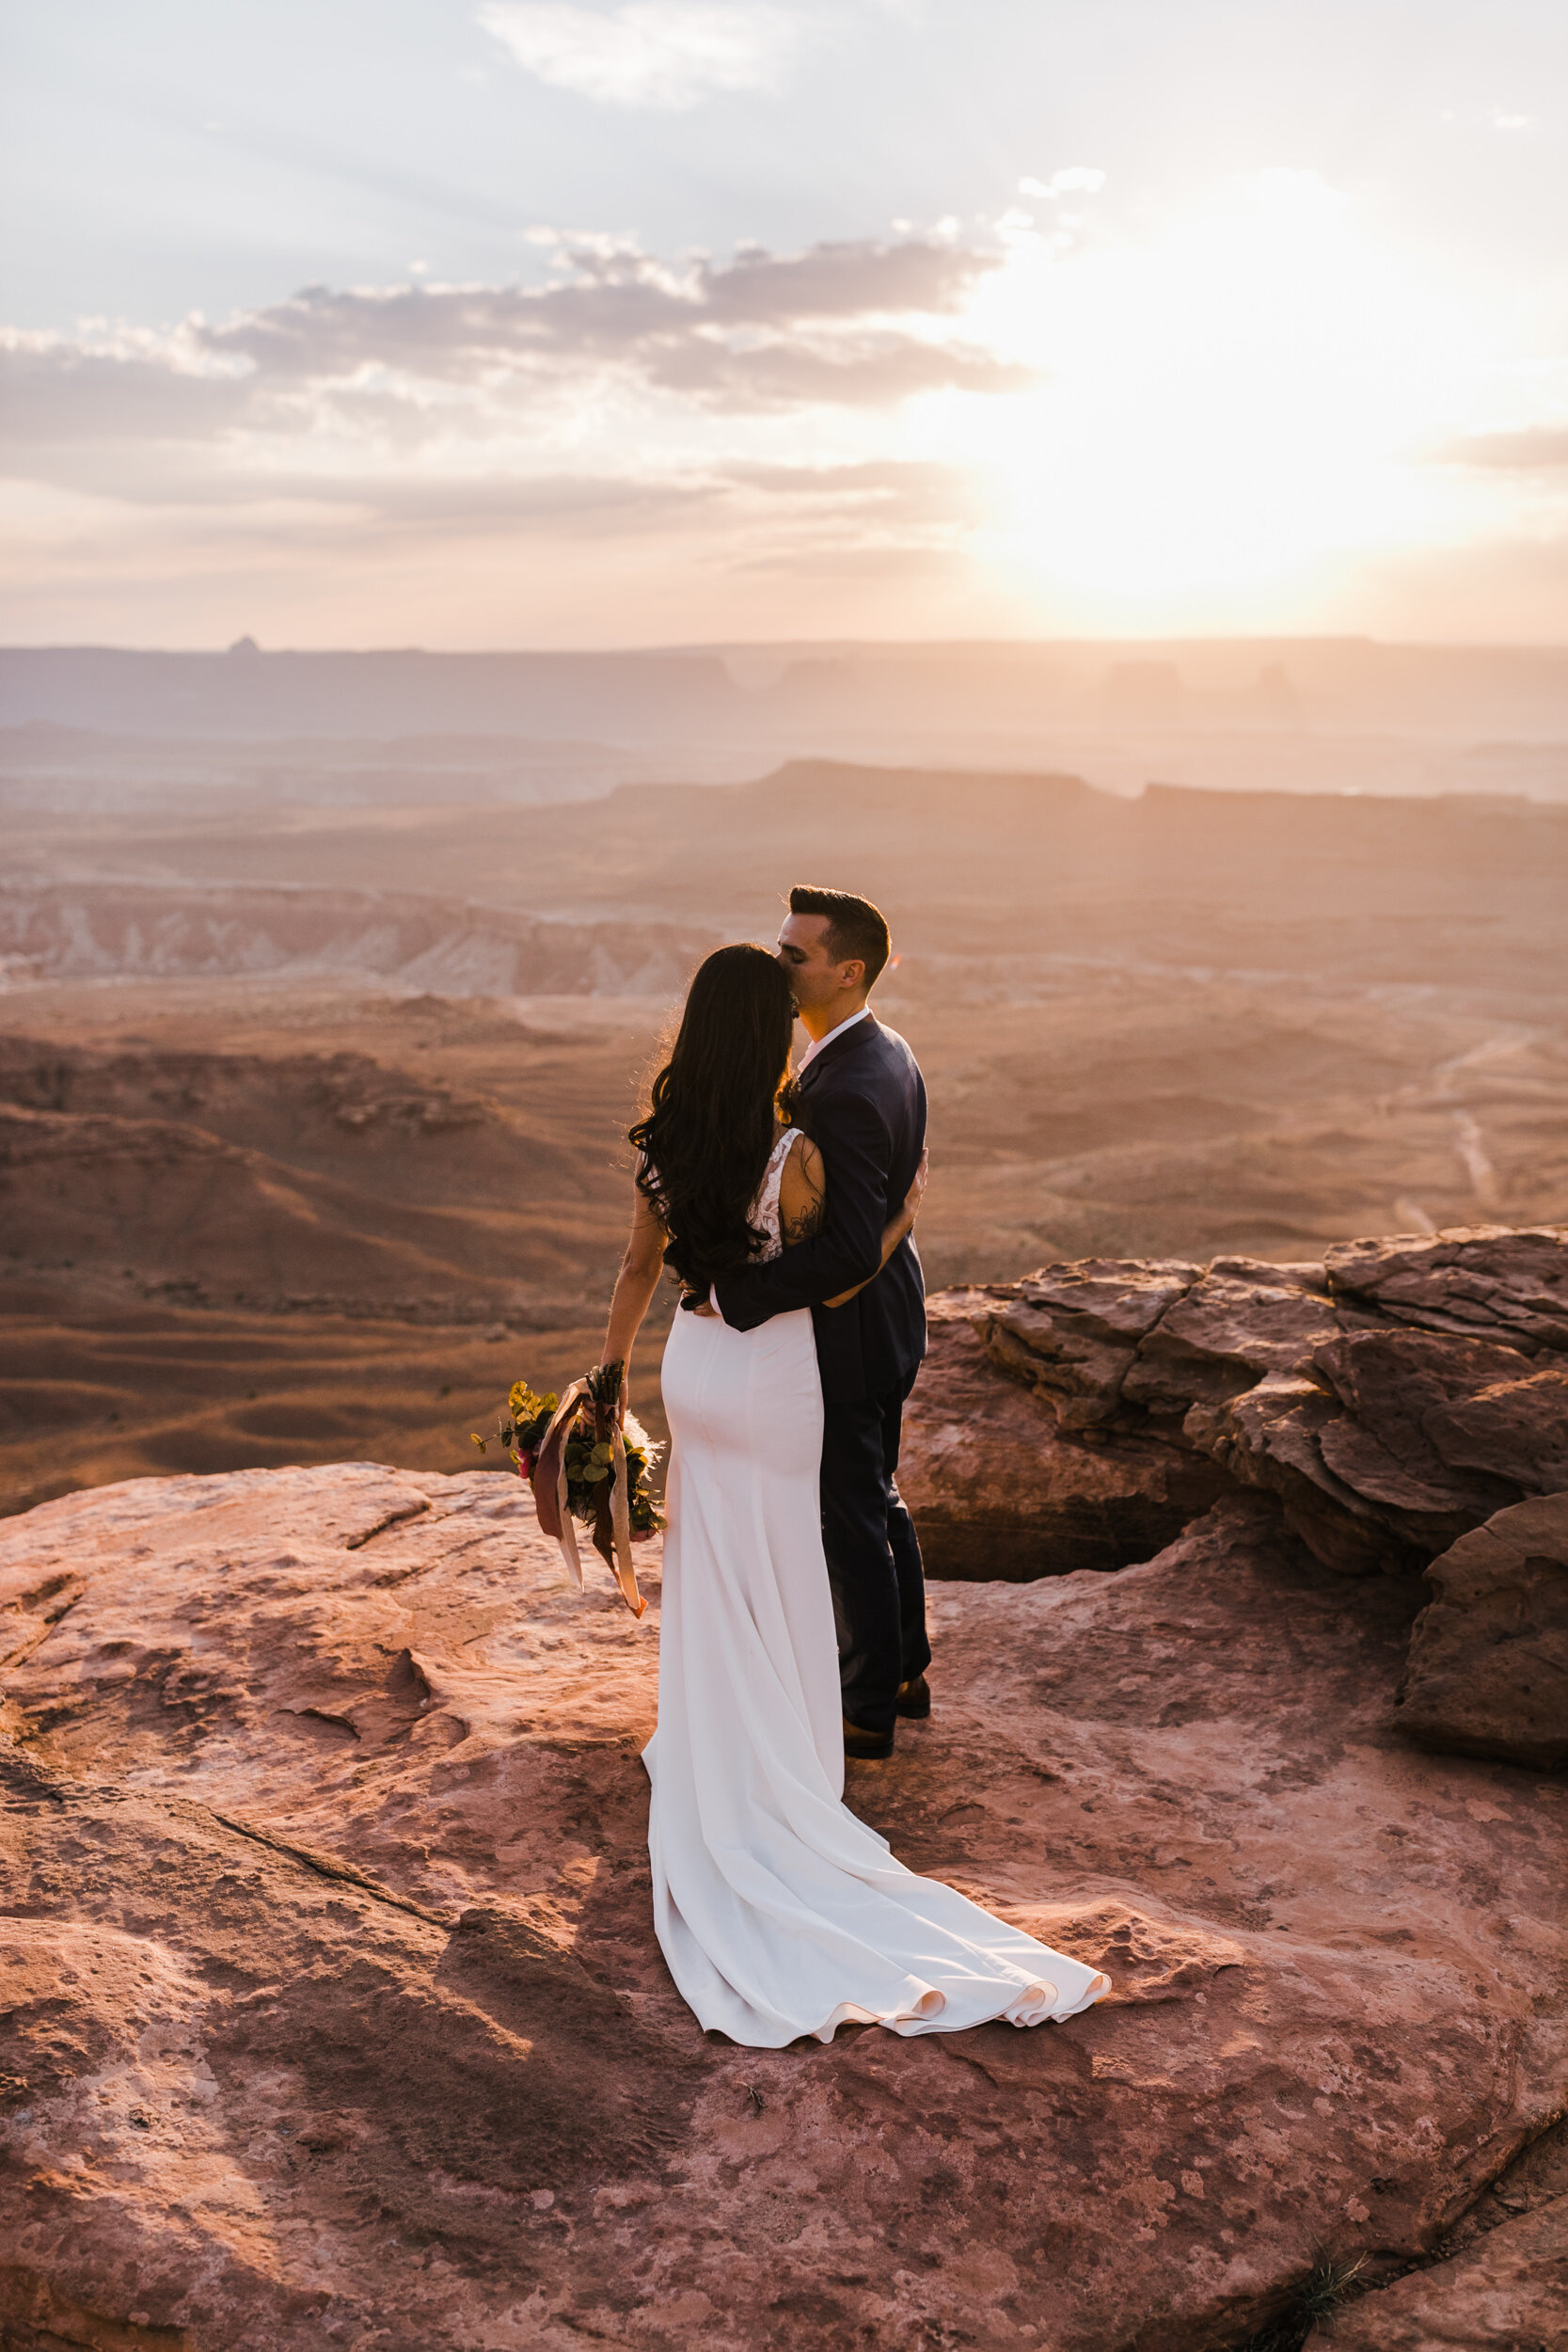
(1224, 413)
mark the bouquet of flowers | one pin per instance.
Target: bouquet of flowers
(583, 1463)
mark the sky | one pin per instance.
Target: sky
(502, 322)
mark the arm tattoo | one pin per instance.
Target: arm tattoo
(806, 1226)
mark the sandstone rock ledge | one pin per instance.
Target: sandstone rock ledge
(333, 2014)
(1391, 1398)
(1402, 1406)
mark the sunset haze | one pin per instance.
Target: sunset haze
(536, 323)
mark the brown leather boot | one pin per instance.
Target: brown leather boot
(913, 1699)
(867, 1747)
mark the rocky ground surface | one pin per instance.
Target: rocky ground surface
(333, 2014)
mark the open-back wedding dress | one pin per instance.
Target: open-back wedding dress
(779, 1913)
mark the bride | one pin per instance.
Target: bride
(779, 1912)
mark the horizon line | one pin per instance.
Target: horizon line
(247, 647)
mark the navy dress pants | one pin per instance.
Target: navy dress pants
(873, 1556)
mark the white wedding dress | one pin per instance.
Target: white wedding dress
(779, 1913)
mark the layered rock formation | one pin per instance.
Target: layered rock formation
(139, 930)
(1001, 1488)
(1488, 1672)
(1499, 2282)
(333, 2012)
(1392, 1397)
(1403, 1399)
(270, 1182)
(1509, 2296)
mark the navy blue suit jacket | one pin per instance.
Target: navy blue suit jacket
(863, 1102)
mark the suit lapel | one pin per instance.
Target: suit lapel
(836, 1050)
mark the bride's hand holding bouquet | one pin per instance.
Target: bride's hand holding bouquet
(587, 1460)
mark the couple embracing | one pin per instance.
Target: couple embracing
(793, 1625)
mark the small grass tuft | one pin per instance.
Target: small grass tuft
(1328, 2285)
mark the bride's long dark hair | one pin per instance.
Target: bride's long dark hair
(706, 1139)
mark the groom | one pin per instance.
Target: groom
(860, 1097)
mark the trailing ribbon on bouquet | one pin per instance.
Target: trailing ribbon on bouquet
(612, 1515)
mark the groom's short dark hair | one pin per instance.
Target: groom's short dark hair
(855, 926)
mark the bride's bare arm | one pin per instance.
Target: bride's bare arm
(896, 1228)
(802, 1193)
(635, 1285)
(802, 1186)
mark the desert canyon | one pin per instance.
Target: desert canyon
(333, 2014)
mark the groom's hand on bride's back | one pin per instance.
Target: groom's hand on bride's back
(897, 1229)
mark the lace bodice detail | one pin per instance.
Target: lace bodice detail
(764, 1211)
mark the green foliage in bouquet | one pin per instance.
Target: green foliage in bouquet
(589, 1456)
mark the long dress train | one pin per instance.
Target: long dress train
(781, 1913)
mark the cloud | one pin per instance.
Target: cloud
(1073, 180)
(879, 501)
(848, 325)
(618, 303)
(402, 509)
(662, 422)
(664, 55)
(845, 279)
(864, 371)
(54, 391)
(913, 489)
(1533, 451)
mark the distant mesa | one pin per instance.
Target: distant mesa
(1142, 693)
(1273, 701)
(1384, 708)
